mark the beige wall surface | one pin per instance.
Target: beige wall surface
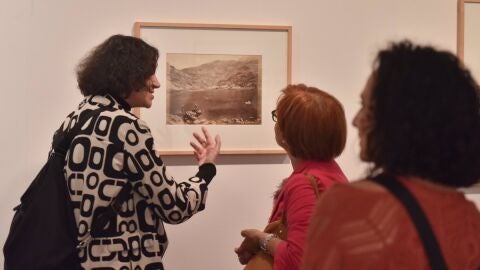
(334, 43)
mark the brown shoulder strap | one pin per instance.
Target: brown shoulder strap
(284, 218)
(314, 183)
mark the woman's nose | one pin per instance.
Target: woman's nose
(155, 82)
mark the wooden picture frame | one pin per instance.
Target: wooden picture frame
(461, 16)
(465, 57)
(270, 45)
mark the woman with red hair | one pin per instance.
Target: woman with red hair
(310, 126)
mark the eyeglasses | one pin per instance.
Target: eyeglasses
(274, 115)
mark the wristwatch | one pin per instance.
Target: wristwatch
(264, 242)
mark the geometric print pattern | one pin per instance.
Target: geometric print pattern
(361, 226)
(112, 149)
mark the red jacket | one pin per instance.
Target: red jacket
(297, 198)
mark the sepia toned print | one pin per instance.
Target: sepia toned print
(213, 89)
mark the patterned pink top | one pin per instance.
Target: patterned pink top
(362, 226)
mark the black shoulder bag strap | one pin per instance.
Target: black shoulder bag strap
(430, 244)
(61, 148)
(63, 140)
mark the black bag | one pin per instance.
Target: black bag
(43, 233)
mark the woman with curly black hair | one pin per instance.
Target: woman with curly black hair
(419, 126)
(114, 151)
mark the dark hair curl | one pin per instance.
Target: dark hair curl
(425, 110)
(118, 66)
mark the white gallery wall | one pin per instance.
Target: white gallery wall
(334, 43)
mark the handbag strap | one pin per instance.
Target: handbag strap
(430, 243)
(62, 145)
(313, 182)
(63, 140)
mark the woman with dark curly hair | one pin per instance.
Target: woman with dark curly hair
(113, 153)
(419, 126)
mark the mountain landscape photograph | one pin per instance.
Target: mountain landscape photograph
(213, 89)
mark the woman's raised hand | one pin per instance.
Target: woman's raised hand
(207, 149)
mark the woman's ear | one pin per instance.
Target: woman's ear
(282, 142)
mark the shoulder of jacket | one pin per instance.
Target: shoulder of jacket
(295, 181)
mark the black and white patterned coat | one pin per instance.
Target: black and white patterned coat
(113, 148)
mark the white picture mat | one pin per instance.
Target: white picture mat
(472, 39)
(271, 45)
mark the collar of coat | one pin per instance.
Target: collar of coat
(108, 100)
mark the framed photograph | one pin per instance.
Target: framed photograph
(468, 35)
(213, 89)
(468, 46)
(221, 76)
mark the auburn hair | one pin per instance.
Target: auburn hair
(312, 123)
